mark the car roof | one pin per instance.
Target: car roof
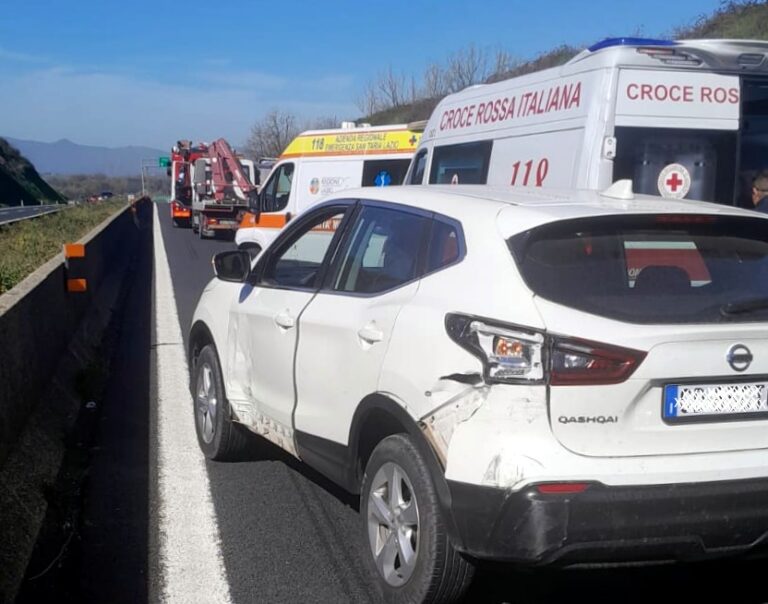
(518, 209)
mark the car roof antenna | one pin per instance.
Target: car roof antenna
(621, 189)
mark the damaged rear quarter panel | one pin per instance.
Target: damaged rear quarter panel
(495, 445)
(416, 369)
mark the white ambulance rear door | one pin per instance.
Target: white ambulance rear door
(676, 133)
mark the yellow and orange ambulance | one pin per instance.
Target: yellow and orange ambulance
(318, 163)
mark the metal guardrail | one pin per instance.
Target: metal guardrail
(19, 213)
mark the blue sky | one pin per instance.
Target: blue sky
(148, 73)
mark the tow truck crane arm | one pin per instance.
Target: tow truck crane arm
(227, 175)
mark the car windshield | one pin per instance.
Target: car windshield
(651, 269)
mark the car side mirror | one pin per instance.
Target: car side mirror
(254, 201)
(232, 266)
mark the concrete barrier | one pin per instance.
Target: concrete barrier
(47, 335)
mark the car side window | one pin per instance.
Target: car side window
(419, 164)
(383, 251)
(297, 261)
(277, 191)
(445, 244)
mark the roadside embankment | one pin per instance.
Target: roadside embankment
(50, 342)
(28, 244)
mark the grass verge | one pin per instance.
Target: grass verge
(28, 244)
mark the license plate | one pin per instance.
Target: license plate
(683, 401)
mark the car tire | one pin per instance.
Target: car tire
(406, 520)
(220, 437)
(175, 223)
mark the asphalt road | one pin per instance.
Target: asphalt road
(287, 535)
(16, 213)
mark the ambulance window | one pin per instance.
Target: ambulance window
(384, 172)
(465, 164)
(277, 191)
(419, 164)
(678, 163)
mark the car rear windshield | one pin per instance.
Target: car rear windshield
(661, 268)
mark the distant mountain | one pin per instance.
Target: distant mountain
(66, 157)
(19, 181)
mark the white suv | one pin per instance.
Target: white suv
(506, 375)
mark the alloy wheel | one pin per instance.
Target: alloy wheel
(206, 403)
(393, 524)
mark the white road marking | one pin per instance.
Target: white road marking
(191, 566)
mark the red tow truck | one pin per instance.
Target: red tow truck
(211, 186)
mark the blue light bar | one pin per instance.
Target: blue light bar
(609, 42)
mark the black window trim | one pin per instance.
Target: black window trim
(414, 163)
(350, 208)
(333, 270)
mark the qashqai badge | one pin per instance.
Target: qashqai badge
(739, 357)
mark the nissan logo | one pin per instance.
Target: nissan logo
(739, 357)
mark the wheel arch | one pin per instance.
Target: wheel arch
(200, 336)
(379, 416)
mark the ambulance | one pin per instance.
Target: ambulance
(318, 163)
(683, 119)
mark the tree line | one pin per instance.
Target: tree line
(82, 186)
(387, 90)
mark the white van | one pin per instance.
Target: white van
(684, 119)
(318, 163)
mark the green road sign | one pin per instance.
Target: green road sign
(164, 161)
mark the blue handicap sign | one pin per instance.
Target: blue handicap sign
(382, 179)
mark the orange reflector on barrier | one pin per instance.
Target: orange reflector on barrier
(77, 285)
(74, 267)
(74, 250)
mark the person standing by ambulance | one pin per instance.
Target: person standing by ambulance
(760, 192)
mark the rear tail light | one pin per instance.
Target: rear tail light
(512, 354)
(576, 363)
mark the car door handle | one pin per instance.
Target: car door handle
(370, 333)
(285, 320)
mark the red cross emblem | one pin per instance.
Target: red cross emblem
(674, 181)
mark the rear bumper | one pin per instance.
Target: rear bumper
(604, 524)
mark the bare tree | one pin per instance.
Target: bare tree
(368, 102)
(503, 62)
(434, 82)
(391, 87)
(271, 134)
(323, 122)
(466, 67)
